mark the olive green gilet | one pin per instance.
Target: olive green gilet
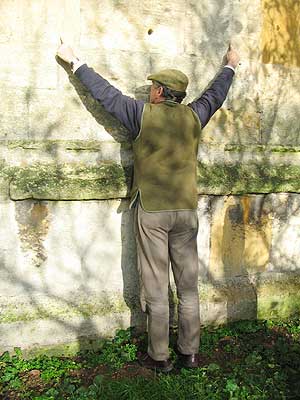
(165, 158)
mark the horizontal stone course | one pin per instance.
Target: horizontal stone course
(84, 170)
(112, 180)
(45, 320)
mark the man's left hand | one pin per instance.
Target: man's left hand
(232, 57)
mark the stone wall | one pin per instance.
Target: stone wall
(67, 260)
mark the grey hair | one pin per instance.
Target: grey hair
(170, 94)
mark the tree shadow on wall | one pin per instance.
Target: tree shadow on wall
(244, 249)
(241, 297)
(121, 136)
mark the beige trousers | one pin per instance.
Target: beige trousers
(164, 237)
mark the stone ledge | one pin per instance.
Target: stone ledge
(68, 182)
(97, 170)
(110, 180)
(239, 178)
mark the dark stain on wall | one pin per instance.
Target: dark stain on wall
(33, 222)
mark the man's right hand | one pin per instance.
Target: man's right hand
(232, 57)
(66, 53)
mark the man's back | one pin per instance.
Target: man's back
(165, 157)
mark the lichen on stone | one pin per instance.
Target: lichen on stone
(70, 182)
(253, 177)
(48, 308)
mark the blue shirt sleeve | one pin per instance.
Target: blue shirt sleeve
(213, 98)
(126, 109)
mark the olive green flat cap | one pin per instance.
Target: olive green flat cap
(172, 78)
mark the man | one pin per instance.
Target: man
(165, 136)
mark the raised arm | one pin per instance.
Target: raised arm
(213, 98)
(126, 109)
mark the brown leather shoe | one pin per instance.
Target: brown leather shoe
(160, 366)
(188, 360)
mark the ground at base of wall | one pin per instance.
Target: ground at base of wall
(243, 360)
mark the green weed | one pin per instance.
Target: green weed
(247, 360)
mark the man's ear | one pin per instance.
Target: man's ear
(160, 91)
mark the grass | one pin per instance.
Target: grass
(244, 360)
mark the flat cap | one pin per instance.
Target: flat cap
(172, 78)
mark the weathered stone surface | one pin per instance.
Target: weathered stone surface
(78, 241)
(256, 109)
(17, 153)
(37, 69)
(251, 178)
(14, 112)
(90, 172)
(280, 30)
(280, 119)
(241, 236)
(64, 182)
(265, 296)
(285, 237)
(4, 189)
(112, 180)
(69, 264)
(58, 332)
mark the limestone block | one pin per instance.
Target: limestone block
(14, 112)
(4, 188)
(228, 300)
(245, 19)
(280, 120)
(168, 7)
(9, 250)
(44, 335)
(280, 43)
(70, 182)
(28, 65)
(240, 237)
(18, 153)
(109, 179)
(245, 103)
(285, 238)
(79, 242)
(247, 154)
(203, 239)
(71, 114)
(207, 28)
(220, 128)
(135, 20)
(117, 67)
(10, 18)
(246, 122)
(38, 21)
(84, 247)
(254, 177)
(278, 295)
(57, 115)
(263, 296)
